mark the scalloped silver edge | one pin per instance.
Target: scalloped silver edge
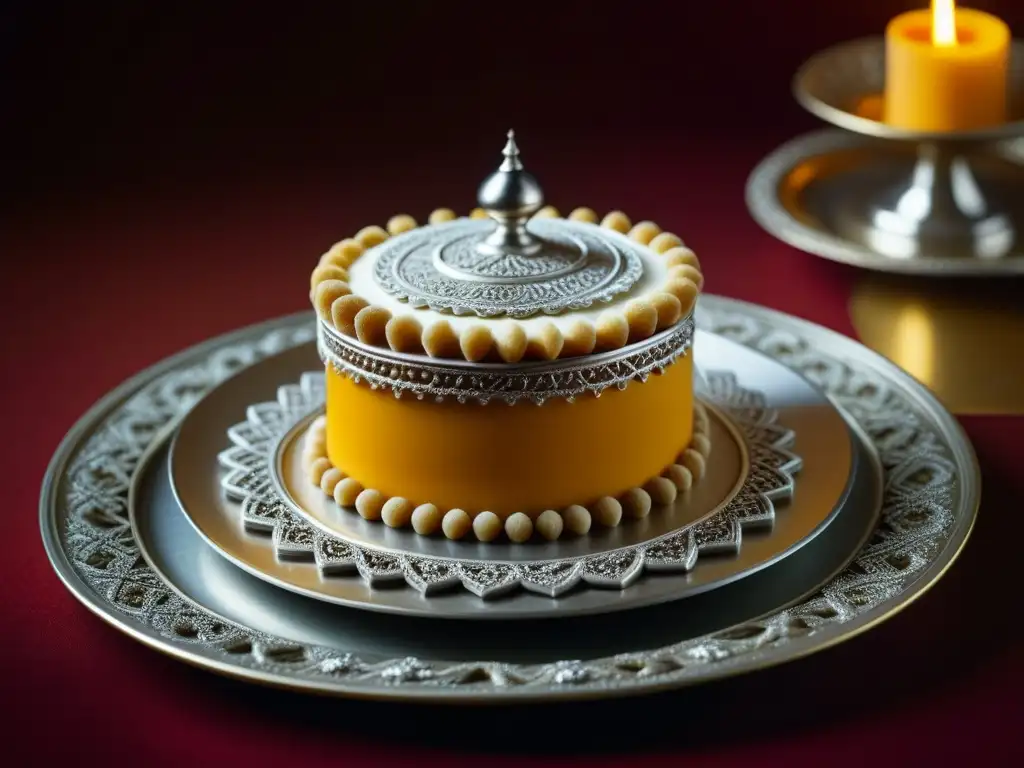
(566, 378)
(250, 480)
(919, 519)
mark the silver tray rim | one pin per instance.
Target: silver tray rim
(863, 461)
(763, 203)
(733, 315)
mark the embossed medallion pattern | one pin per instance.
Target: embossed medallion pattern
(440, 267)
(919, 513)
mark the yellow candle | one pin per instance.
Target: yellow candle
(946, 69)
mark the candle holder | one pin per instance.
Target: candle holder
(886, 198)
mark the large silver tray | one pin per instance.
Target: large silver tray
(931, 497)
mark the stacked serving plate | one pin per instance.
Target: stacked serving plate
(839, 491)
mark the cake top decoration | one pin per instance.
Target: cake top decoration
(510, 196)
(513, 282)
(513, 263)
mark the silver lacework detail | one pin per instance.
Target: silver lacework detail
(424, 377)
(917, 519)
(440, 267)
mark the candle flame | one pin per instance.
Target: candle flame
(944, 23)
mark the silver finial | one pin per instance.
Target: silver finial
(511, 153)
(510, 196)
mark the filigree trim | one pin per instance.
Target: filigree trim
(262, 509)
(918, 516)
(350, 315)
(438, 380)
(439, 268)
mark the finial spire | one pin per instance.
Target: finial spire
(511, 153)
(510, 196)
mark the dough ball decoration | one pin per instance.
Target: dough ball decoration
(344, 311)
(371, 325)
(427, 519)
(646, 314)
(549, 524)
(370, 236)
(606, 511)
(396, 512)
(456, 523)
(347, 491)
(577, 519)
(342, 254)
(487, 526)
(403, 222)
(583, 214)
(511, 342)
(441, 215)
(404, 333)
(518, 527)
(369, 504)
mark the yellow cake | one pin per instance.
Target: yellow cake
(510, 373)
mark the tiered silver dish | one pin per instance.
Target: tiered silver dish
(126, 548)
(742, 517)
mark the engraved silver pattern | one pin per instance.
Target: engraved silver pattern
(911, 542)
(440, 267)
(422, 377)
(251, 465)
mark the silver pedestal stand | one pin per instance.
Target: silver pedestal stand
(890, 199)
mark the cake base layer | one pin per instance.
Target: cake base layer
(510, 458)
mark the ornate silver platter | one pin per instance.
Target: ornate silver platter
(726, 529)
(440, 268)
(198, 607)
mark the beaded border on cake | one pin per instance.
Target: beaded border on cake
(253, 462)
(422, 377)
(655, 311)
(519, 527)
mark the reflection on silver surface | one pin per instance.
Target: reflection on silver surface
(943, 204)
(894, 207)
(930, 501)
(887, 198)
(944, 336)
(823, 441)
(181, 556)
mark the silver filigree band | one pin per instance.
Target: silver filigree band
(425, 377)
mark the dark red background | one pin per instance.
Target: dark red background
(173, 171)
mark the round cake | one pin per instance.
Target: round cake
(509, 373)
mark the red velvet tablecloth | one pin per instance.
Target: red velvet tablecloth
(154, 231)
